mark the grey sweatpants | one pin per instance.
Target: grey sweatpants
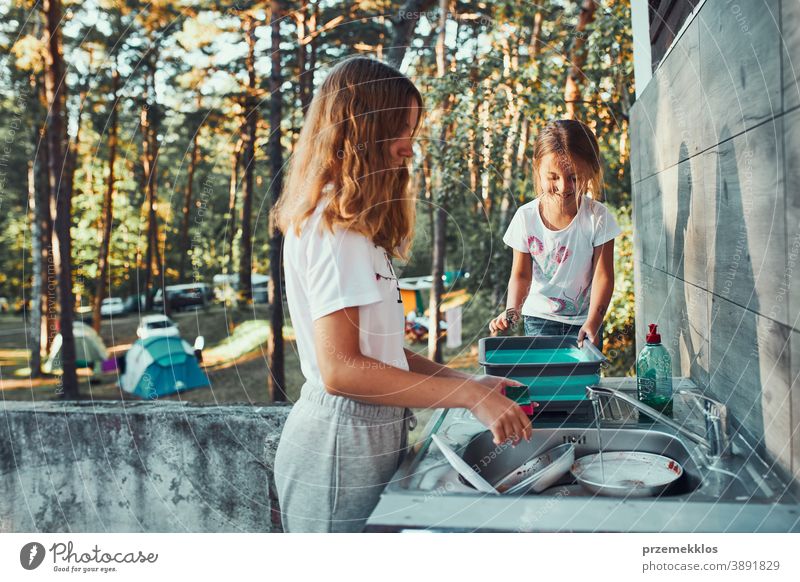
(334, 458)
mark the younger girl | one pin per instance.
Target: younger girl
(562, 276)
(345, 213)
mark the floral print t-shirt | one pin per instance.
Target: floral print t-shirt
(561, 281)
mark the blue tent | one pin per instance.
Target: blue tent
(159, 366)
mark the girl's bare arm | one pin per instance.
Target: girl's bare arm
(422, 365)
(519, 285)
(602, 290)
(347, 372)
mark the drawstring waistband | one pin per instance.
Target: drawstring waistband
(332, 404)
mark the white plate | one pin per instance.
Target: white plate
(463, 469)
(626, 473)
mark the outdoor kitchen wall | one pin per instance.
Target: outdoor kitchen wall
(715, 154)
(138, 467)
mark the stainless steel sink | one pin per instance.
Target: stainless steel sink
(729, 480)
(493, 462)
(733, 479)
(737, 492)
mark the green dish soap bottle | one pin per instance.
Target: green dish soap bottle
(654, 374)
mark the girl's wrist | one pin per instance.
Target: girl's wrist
(470, 393)
(594, 322)
(512, 316)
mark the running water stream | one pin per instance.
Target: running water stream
(597, 415)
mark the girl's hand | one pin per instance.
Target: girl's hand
(498, 324)
(496, 383)
(503, 322)
(502, 416)
(591, 331)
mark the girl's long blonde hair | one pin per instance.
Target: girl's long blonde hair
(576, 143)
(342, 154)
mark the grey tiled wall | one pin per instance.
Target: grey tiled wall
(715, 154)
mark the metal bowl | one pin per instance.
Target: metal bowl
(539, 472)
(626, 473)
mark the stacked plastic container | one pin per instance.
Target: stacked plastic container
(554, 369)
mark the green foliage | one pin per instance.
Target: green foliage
(620, 322)
(474, 154)
(483, 117)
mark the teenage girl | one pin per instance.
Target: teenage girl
(562, 276)
(346, 213)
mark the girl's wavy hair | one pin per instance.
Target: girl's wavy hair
(574, 143)
(342, 155)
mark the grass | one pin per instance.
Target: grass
(236, 358)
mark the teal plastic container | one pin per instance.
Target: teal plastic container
(554, 369)
(544, 356)
(654, 374)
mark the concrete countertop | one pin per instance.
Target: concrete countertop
(426, 494)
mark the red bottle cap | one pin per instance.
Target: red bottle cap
(653, 337)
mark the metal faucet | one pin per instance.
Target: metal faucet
(717, 438)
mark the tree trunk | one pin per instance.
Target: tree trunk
(38, 196)
(305, 31)
(35, 314)
(533, 53)
(144, 122)
(487, 144)
(249, 136)
(56, 144)
(187, 207)
(535, 45)
(277, 380)
(513, 114)
(572, 92)
(437, 289)
(440, 216)
(228, 267)
(48, 213)
(150, 170)
(473, 163)
(159, 275)
(512, 122)
(108, 208)
(312, 55)
(404, 24)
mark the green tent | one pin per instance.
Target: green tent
(90, 351)
(159, 366)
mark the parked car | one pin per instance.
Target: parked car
(260, 285)
(226, 287)
(132, 306)
(182, 297)
(157, 325)
(112, 306)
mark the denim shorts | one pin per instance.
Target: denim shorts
(539, 326)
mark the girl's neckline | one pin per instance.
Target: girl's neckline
(571, 222)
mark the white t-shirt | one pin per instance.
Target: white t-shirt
(561, 281)
(326, 272)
